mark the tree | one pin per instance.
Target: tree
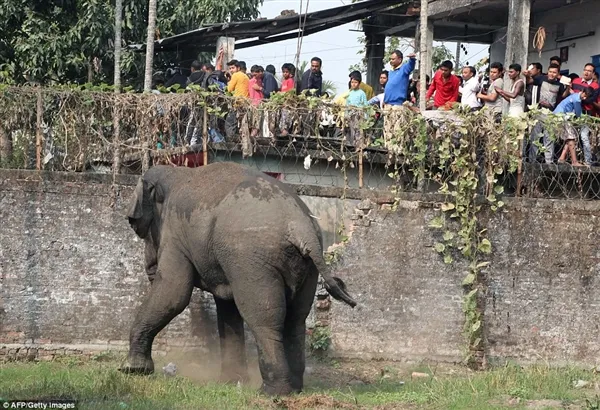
(150, 45)
(329, 88)
(63, 41)
(440, 54)
(117, 84)
(118, 41)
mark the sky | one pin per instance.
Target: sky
(337, 47)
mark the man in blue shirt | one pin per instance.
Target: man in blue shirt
(567, 107)
(396, 88)
(572, 104)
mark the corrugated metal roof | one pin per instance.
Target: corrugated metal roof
(264, 31)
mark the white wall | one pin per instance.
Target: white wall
(578, 18)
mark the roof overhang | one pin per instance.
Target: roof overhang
(469, 21)
(257, 32)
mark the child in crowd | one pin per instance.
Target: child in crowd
(356, 98)
(288, 71)
(255, 86)
(255, 90)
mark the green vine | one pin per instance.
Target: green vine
(319, 340)
(464, 157)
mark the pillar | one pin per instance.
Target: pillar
(517, 37)
(425, 52)
(429, 46)
(228, 44)
(375, 51)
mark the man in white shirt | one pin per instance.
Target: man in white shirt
(470, 88)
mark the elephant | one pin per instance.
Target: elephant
(248, 239)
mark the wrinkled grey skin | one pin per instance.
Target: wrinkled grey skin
(247, 239)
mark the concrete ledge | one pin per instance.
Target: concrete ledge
(47, 181)
(27, 175)
(49, 351)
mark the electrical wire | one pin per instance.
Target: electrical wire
(299, 35)
(302, 29)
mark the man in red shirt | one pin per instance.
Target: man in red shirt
(445, 85)
(586, 80)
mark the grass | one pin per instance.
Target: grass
(98, 385)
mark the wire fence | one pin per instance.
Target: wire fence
(298, 139)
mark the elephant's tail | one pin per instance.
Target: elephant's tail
(334, 285)
(337, 288)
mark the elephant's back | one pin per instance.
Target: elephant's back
(259, 201)
(206, 187)
(223, 183)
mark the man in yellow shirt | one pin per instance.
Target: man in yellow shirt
(239, 82)
(367, 89)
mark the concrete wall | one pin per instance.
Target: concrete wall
(321, 171)
(71, 277)
(409, 301)
(541, 299)
(71, 268)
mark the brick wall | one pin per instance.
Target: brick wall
(71, 277)
(541, 299)
(72, 269)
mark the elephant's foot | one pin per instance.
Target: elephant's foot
(138, 365)
(297, 384)
(280, 389)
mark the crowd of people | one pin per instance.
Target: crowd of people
(571, 96)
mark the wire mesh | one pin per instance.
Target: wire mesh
(297, 139)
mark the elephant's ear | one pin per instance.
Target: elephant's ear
(150, 190)
(157, 194)
(135, 210)
(141, 211)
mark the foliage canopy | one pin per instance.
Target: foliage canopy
(72, 41)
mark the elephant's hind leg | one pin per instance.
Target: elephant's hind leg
(232, 340)
(294, 333)
(169, 294)
(262, 304)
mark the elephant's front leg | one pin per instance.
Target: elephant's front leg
(231, 335)
(169, 295)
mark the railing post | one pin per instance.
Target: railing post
(205, 136)
(116, 139)
(360, 158)
(520, 167)
(38, 139)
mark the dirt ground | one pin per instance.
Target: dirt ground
(327, 373)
